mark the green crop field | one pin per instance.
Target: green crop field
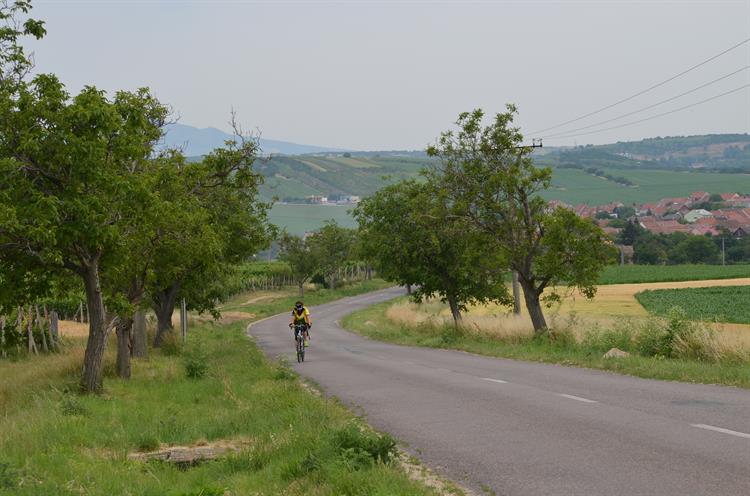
(575, 186)
(300, 218)
(627, 274)
(720, 303)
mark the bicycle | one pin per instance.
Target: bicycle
(299, 338)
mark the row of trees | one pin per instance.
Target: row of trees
(679, 248)
(84, 193)
(477, 216)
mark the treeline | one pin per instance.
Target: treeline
(474, 218)
(681, 248)
(594, 171)
(83, 193)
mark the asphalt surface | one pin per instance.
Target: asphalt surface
(524, 428)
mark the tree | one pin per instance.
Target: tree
(331, 246)
(630, 233)
(66, 182)
(303, 263)
(492, 183)
(408, 230)
(648, 251)
(695, 249)
(219, 221)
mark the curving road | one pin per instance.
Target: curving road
(524, 428)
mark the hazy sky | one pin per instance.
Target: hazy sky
(393, 74)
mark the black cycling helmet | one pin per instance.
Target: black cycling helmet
(299, 305)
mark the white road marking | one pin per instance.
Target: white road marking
(722, 430)
(577, 398)
(499, 381)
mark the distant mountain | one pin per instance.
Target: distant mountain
(194, 142)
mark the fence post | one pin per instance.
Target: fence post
(183, 321)
(30, 331)
(140, 346)
(2, 336)
(53, 323)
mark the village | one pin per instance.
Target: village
(701, 213)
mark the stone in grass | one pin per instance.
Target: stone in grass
(190, 455)
(616, 353)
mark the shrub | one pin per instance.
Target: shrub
(196, 363)
(620, 336)
(171, 345)
(352, 443)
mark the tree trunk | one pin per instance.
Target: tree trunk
(455, 311)
(516, 295)
(140, 346)
(164, 303)
(534, 306)
(93, 359)
(301, 285)
(123, 330)
(408, 289)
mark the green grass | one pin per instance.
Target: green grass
(54, 442)
(720, 303)
(561, 349)
(624, 274)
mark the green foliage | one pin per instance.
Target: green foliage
(148, 442)
(720, 303)
(408, 231)
(358, 444)
(331, 247)
(195, 361)
(492, 182)
(303, 261)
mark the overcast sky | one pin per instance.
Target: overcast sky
(393, 74)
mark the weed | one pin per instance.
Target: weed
(352, 441)
(71, 406)
(196, 363)
(148, 442)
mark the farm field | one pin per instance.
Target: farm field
(300, 218)
(575, 186)
(721, 303)
(623, 274)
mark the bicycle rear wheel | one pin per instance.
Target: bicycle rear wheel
(300, 350)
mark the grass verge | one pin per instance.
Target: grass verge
(221, 388)
(557, 347)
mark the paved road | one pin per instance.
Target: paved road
(526, 428)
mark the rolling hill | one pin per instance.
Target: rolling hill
(194, 142)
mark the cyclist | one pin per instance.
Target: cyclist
(301, 315)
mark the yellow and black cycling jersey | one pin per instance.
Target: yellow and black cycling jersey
(299, 316)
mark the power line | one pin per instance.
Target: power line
(649, 106)
(662, 83)
(655, 116)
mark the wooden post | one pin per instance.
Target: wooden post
(19, 327)
(53, 323)
(30, 331)
(41, 325)
(2, 337)
(140, 339)
(80, 312)
(183, 321)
